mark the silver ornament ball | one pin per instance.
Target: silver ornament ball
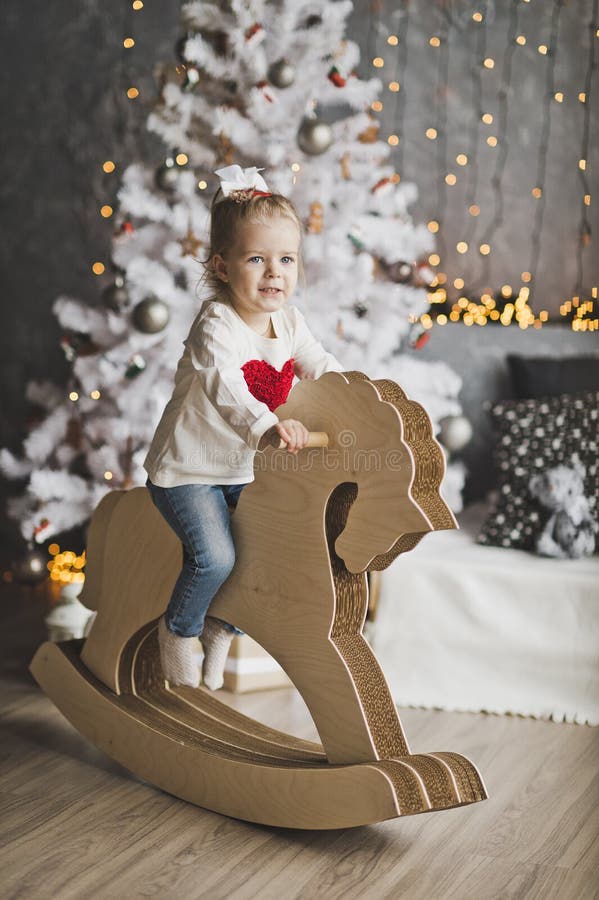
(400, 272)
(115, 296)
(167, 176)
(314, 136)
(281, 74)
(151, 315)
(31, 567)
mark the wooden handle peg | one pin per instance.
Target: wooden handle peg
(315, 439)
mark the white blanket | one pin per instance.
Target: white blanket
(462, 626)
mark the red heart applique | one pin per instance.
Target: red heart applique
(266, 383)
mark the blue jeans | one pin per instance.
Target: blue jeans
(199, 516)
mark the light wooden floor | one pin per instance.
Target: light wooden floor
(76, 825)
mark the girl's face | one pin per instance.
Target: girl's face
(260, 268)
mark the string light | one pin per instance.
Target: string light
(503, 92)
(479, 51)
(108, 166)
(584, 229)
(106, 211)
(66, 567)
(74, 396)
(128, 43)
(512, 305)
(95, 395)
(400, 62)
(98, 268)
(378, 62)
(132, 93)
(544, 143)
(441, 143)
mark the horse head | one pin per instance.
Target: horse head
(381, 442)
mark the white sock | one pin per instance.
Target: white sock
(216, 640)
(178, 657)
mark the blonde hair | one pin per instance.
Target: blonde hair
(226, 215)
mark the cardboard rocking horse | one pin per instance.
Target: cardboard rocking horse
(307, 530)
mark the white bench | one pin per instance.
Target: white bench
(461, 626)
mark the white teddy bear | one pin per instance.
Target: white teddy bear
(570, 530)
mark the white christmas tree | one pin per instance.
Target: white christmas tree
(250, 88)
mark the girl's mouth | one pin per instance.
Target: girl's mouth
(269, 290)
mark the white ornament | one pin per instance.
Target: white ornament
(456, 431)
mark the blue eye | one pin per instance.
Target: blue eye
(253, 258)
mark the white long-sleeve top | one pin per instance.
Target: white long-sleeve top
(211, 426)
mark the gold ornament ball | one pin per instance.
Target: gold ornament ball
(314, 136)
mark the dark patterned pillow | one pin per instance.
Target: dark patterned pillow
(531, 436)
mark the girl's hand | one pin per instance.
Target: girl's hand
(291, 431)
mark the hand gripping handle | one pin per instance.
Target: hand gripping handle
(315, 439)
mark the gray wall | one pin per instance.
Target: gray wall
(446, 88)
(478, 355)
(63, 112)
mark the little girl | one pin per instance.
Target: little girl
(241, 355)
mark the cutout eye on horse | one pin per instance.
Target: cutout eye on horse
(305, 534)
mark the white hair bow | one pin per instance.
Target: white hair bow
(234, 178)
